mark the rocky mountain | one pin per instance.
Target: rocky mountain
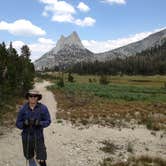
(68, 50)
(136, 47)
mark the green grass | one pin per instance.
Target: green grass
(146, 81)
(119, 91)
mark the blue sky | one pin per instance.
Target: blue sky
(101, 24)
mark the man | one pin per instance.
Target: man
(32, 118)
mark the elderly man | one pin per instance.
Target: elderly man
(31, 119)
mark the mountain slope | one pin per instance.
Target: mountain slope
(136, 47)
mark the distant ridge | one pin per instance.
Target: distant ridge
(136, 47)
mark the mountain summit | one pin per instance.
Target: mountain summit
(71, 40)
(68, 50)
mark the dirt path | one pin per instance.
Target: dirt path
(69, 146)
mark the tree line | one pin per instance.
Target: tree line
(16, 72)
(148, 62)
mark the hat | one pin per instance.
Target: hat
(33, 92)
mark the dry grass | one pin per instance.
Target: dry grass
(146, 81)
(87, 109)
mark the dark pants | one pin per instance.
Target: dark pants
(32, 146)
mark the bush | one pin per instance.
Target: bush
(70, 78)
(104, 80)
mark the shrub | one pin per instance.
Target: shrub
(104, 80)
(90, 80)
(70, 78)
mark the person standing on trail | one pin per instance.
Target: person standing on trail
(32, 118)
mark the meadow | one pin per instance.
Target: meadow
(126, 99)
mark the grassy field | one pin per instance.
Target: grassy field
(125, 99)
(120, 91)
(145, 81)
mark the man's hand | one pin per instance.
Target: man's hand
(37, 123)
(32, 122)
(26, 123)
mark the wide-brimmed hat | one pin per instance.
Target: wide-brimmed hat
(33, 92)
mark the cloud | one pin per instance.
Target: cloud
(59, 7)
(83, 7)
(37, 49)
(87, 21)
(63, 18)
(115, 1)
(18, 44)
(22, 27)
(62, 11)
(45, 41)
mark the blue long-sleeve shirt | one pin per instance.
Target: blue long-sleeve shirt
(40, 112)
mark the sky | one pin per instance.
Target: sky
(102, 25)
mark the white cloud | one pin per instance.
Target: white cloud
(115, 1)
(37, 49)
(61, 11)
(87, 21)
(41, 47)
(45, 41)
(18, 44)
(22, 27)
(63, 18)
(45, 14)
(83, 7)
(56, 6)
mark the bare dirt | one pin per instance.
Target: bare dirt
(79, 146)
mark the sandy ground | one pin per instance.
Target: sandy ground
(70, 146)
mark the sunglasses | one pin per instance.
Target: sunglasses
(30, 95)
